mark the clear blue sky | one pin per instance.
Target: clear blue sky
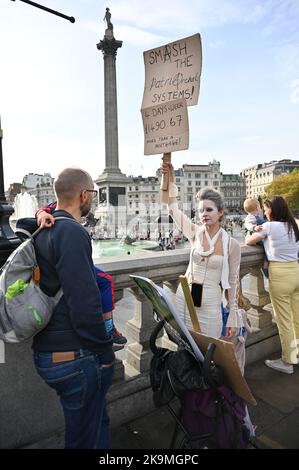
(51, 82)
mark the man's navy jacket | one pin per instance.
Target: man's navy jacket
(64, 255)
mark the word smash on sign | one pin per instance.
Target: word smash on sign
(173, 72)
(169, 53)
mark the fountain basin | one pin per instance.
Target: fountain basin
(146, 245)
(117, 248)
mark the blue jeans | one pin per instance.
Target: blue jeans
(81, 385)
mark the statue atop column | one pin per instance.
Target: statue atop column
(107, 18)
(109, 45)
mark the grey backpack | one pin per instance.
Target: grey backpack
(24, 308)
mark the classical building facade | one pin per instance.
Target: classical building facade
(257, 177)
(234, 192)
(197, 177)
(13, 190)
(143, 194)
(40, 186)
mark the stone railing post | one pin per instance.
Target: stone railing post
(257, 295)
(119, 368)
(138, 354)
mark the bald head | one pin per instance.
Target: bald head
(71, 181)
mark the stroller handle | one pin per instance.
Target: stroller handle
(212, 374)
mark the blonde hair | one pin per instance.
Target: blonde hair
(211, 195)
(251, 205)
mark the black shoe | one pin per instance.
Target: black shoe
(118, 338)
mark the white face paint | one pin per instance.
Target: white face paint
(208, 213)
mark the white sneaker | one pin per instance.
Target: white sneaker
(280, 366)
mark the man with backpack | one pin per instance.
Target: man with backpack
(73, 353)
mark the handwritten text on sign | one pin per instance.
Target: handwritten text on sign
(173, 72)
(165, 127)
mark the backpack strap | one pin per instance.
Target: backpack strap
(59, 293)
(34, 234)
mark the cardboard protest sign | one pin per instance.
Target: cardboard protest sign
(166, 127)
(173, 72)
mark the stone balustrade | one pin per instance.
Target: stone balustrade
(34, 410)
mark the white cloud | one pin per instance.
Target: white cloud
(130, 34)
(216, 44)
(283, 16)
(51, 82)
(287, 61)
(188, 15)
(294, 97)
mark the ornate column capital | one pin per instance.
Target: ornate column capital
(109, 46)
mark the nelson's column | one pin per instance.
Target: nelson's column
(112, 182)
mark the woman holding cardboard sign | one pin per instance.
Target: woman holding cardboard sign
(214, 261)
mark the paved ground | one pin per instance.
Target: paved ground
(276, 415)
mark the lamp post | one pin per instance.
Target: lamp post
(8, 239)
(49, 10)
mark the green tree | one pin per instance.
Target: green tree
(286, 186)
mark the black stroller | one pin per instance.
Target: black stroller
(207, 414)
(210, 414)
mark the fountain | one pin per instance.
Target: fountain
(25, 205)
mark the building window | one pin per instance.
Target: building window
(189, 198)
(189, 175)
(130, 188)
(136, 188)
(177, 180)
(136, 212)
(154, 188)
(206, 183)
(206, 175)
(189, 183)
